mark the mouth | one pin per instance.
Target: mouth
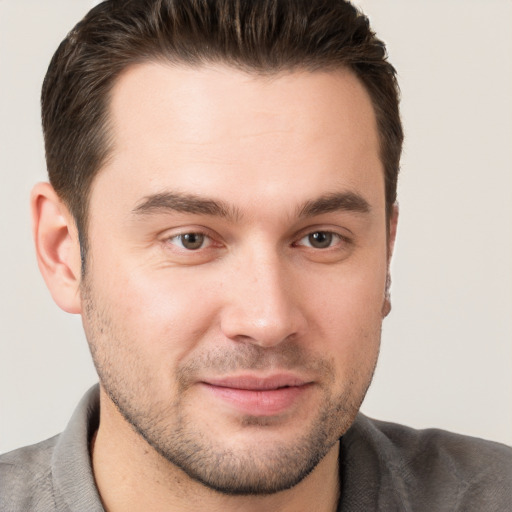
(258, 396)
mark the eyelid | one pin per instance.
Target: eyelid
(215, 241)
(168, 235)
(336, 238)
(207, 241)
(342, 233)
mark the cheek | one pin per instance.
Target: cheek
(352, 295)
(347, 312)
(161, 315)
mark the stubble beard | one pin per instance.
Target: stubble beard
(260, 469)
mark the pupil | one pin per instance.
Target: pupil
(320, 239)
(192, 241)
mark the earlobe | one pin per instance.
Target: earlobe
(57, 247)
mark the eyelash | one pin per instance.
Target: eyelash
(180, 237)
(331, 236)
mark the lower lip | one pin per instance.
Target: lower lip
(259, 403)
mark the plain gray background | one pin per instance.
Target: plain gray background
(446, 357)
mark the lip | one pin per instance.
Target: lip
(258, 396)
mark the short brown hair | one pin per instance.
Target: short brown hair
(257, 36)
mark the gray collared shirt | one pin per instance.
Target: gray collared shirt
(383, 467)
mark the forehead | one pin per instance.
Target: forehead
(209, 129)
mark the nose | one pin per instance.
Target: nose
(264, 305)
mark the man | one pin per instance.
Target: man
(222, 215)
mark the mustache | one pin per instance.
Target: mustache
(288, 355)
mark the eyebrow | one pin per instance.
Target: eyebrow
(185, 203)
(341, 201)
(198, 205)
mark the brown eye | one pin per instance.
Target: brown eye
(190, 241)
(320, 239)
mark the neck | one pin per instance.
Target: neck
(132, 476)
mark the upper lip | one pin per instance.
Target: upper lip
(257, 383)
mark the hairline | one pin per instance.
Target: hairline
(107, 129)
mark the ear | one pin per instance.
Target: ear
(393, 223)
(57, 247)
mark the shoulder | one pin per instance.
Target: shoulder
(434, 465)
(469, 457)
(26, 479)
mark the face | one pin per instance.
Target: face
(237, 268)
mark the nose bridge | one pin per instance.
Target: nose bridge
(264, 307)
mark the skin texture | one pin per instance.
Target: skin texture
(251, 168)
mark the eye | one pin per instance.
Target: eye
(190, 241)
(320, 239)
